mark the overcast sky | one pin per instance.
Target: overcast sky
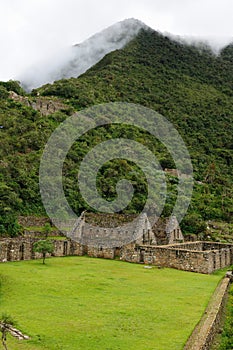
(33, 30)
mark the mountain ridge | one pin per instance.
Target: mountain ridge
(76, 60)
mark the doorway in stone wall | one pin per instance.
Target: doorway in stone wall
(21, 252)
(117, 253)
(65, 248)
(214, 261)
(142, 256)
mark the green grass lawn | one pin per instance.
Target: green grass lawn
(93, 304)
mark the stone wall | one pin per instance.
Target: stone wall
(28, 221)
(204, 333)
(42, 104)
(194, 246)
(106, 253)
(187, 260)
(31, 223)
(181, 259)
(22, 249)
(185, 256)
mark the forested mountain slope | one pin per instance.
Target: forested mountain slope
(189, 85)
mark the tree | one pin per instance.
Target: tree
(8, 218)
(6, 322)
(194, 224)
(47, 229)
(13, 85)
(44, 247)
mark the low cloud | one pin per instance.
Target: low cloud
(73, 61)
(32, 31)
(216, 44)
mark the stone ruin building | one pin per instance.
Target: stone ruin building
(136, 241)
(116, 231)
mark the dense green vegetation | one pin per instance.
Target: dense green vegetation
(224, 341)
(85, 303)
(188, 85)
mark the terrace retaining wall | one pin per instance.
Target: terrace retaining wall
(204, 333)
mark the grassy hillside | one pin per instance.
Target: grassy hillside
(83, 303)
(188, 85)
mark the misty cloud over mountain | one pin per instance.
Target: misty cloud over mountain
(72, 62)
(76, 60)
